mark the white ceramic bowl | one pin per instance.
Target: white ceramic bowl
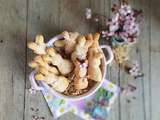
(104, 64)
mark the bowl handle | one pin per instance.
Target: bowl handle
(110, 53)
(52, 40)
(34, 84)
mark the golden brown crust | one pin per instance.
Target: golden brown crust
(59, 83)
(94, 60)
(64, 66)
(80, 71)
(70, 41)
(38, 46)
(82, 47)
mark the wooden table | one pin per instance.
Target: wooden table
(21, 20)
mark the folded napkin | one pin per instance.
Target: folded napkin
(94, 107)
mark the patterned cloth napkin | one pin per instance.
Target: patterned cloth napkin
(94, 107)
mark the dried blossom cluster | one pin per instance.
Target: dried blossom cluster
(123, 23)
(88, 13)
(135, 70)
(123, 26)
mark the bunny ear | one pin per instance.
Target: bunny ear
(32, 45)
(39, 76)
(43, 70)
(66, 35)
(89, 36)
(89, 42)
(46, 58)
(81, 39)
(39, 60)
(73, 35)
(96, 36)
(33, 64)
(51, 51)
(39, 39)
(53, 70)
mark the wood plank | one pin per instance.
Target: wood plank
(43, 17)
(155, 56)
(12, 58)
(137, 109)
(114, 76)
(155, 82)
(72, 16)
(144, 59)
(155, 17)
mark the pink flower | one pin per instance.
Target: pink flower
(125, 9)
(88, 13)
(32, 91)
(115, 17)
(104, 33)
(123, 23)
(113, 27)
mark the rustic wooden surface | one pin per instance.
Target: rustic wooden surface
(21, 20)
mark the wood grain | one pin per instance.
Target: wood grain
(155, 58)
(138, 108)
(12, 59)
(144, 59)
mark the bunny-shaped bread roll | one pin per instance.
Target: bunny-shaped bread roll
(64, 66)
(70, 41)
(81, 48)
(80, 71)
(59, 83)
(38, 46)
(94, 60)
(94, 71)
(39, 62)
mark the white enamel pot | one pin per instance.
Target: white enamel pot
(40, 85)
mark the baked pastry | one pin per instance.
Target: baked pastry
(38, 46)
(38, 62)
(70, 41)
(64, 66)
(73, 74)
(81, 48)
(80, 71)
(58, 82)
(94, 60)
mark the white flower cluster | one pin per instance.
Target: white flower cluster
(123, 24)
(88, 13)
(32, 90)
(135, 70)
